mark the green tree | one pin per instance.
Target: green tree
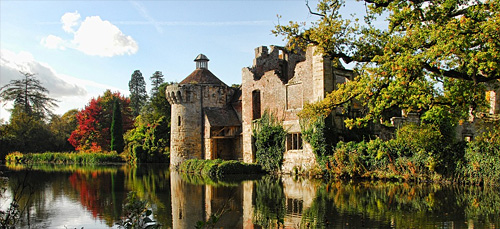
(117, 128)
(138, 94)
(61, 128)
(29, 94)
(149, 142)
(453, 43)
(157, 107)
(156, 81)
(25, 133)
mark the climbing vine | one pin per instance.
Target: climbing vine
(319, 135)
(269, 138)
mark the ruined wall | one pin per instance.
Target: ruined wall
(493, 95)
(298, 160)
(284, 82)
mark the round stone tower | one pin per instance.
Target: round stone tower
(201, 89)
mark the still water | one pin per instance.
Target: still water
(92, 197)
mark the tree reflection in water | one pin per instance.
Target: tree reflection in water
(91, 197)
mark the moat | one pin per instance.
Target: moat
(92, 197)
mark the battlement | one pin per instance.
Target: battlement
(178, 94)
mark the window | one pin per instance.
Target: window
(178, 120)
(294, 141)
(256, 104)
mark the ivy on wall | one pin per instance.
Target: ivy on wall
(269, 138)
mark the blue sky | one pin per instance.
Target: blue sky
(79, 49)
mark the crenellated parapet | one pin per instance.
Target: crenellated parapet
(181, 94)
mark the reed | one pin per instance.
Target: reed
(64, 158)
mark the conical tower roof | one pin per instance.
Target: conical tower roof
(202, 75)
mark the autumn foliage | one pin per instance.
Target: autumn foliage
(94, 122)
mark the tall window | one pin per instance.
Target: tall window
(256, 104)
(178, 120)
(294, 141)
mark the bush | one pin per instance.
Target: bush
(481, 164)
(419, 152)
(363, 159)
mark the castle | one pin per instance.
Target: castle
(212, 120)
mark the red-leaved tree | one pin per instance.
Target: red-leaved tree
(94, 122)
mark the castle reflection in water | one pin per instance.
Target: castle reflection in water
(236, 204)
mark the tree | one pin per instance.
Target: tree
(138, 94)
(157, 107)
(156, 81)
(25, 133)
(149, 142)
(433, 54)
(94, 122)
(117, 128)
(61, 128)
(29, 94)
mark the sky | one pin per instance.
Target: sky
(78, 49)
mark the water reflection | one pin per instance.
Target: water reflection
(92, 197)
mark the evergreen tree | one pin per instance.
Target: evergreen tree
(138, 94)
(156, 81)
(28, 94)
(117, 142)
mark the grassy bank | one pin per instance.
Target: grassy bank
(63, 158)
(218, 168)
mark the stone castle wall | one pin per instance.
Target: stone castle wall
(186, 125)
(187, 117)
(283, 82)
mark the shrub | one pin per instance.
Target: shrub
(14, 157)
(218, 168)
(481, 162)
(419, 152)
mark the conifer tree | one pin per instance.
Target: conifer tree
(138, 94)
(29, 94)
(117, 142)
(156, 81)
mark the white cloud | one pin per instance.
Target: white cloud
(94, 36)
(11, 64)
(53, 42)
(69, 21)
(101, 38)
(71, 92)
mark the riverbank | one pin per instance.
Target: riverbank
(64, 158)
